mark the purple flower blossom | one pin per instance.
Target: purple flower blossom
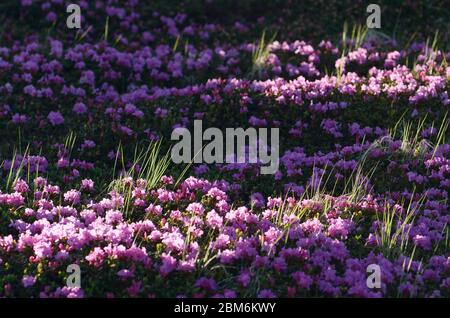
(55, 118)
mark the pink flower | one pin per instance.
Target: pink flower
(174, 241)
(214, 220)
(96, 257)
(42, 249)
(125, 273)
(227, 256)
(21, 186)
(28, 281)
(304, 281)
(196, 208)
(79, 108)
(72, 196)
(154, 209)
(55, 118)
(113, 216)
(87, 184)
(339, 228)
(244, 278)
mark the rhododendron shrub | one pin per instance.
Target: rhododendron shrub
(86, 118)
(191, 233)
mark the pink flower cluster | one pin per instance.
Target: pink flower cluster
(176, 238)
